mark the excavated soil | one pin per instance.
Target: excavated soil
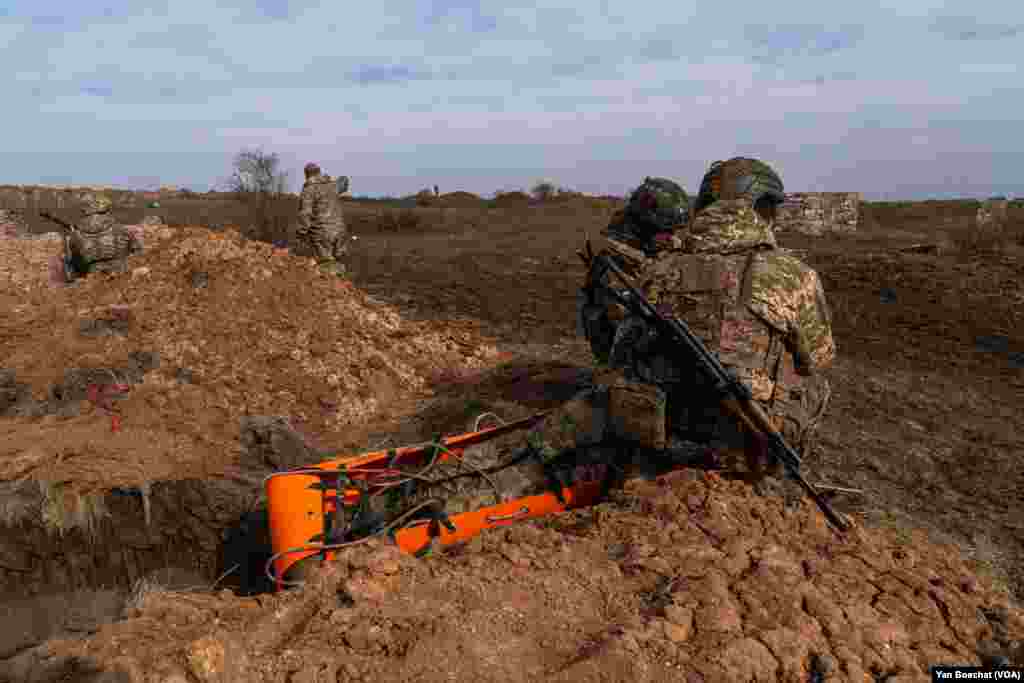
(688, 578)
(127, 442)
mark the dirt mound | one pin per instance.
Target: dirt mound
(684, 578)
(234, 328)
(511, 199)
(460, 198)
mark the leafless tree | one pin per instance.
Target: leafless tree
(544, 191)
(257, 171)
(257, 180)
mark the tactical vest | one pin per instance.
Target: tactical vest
(713, 295)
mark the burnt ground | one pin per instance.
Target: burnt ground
(926, 421)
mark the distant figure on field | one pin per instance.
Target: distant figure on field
(321, 231)
(437, 192)
(101, 244)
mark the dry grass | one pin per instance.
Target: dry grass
(989, 561)
(140, 591)
(19, 503)
(164, 581)
(65, 509)
(897, 523)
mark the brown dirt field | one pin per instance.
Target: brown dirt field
(926, 417)
(693, 578)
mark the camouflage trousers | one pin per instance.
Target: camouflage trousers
(323, 245)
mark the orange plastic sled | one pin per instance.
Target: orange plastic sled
(301, 501)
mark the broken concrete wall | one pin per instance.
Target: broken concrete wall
(815, 213)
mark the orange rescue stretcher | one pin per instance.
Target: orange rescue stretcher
(302, 503)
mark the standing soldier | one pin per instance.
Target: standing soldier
(100, 244)
(321, 231)
(761, 310)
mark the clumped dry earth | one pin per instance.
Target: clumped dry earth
(469, 310)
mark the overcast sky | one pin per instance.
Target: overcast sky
(920, 101)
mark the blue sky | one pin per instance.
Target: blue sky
(920, 101)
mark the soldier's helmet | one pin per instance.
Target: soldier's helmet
(311, 169)
(96, 203)
(658, 205)
(741, 178)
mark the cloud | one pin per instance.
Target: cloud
(460, 14)
(46, 21)
(274, 9)
(771, 43)
(98, 90)
(481, 93)
(969, 28)
(368, 74)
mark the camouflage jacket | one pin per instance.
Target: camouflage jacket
(102, 250)
(320, 207)
(96, 223)
(760, 309)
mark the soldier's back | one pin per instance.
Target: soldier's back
(103, 251)
(764, 314)
(328, 216)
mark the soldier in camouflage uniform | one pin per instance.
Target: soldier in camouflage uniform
(760, 309)
(321, 231)
(654, 211)
(100, 244)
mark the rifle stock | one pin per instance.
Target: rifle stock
(733, 394)
(59, 221)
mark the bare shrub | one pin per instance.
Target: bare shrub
(544, 191)
(258, 181)
(257, 172)
(425, 197)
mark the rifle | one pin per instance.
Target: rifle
(732, 393)
(69, 229)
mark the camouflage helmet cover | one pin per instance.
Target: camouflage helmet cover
(96, 203)
(659, 205)
(740, 177)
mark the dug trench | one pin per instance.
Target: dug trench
(73, 559)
